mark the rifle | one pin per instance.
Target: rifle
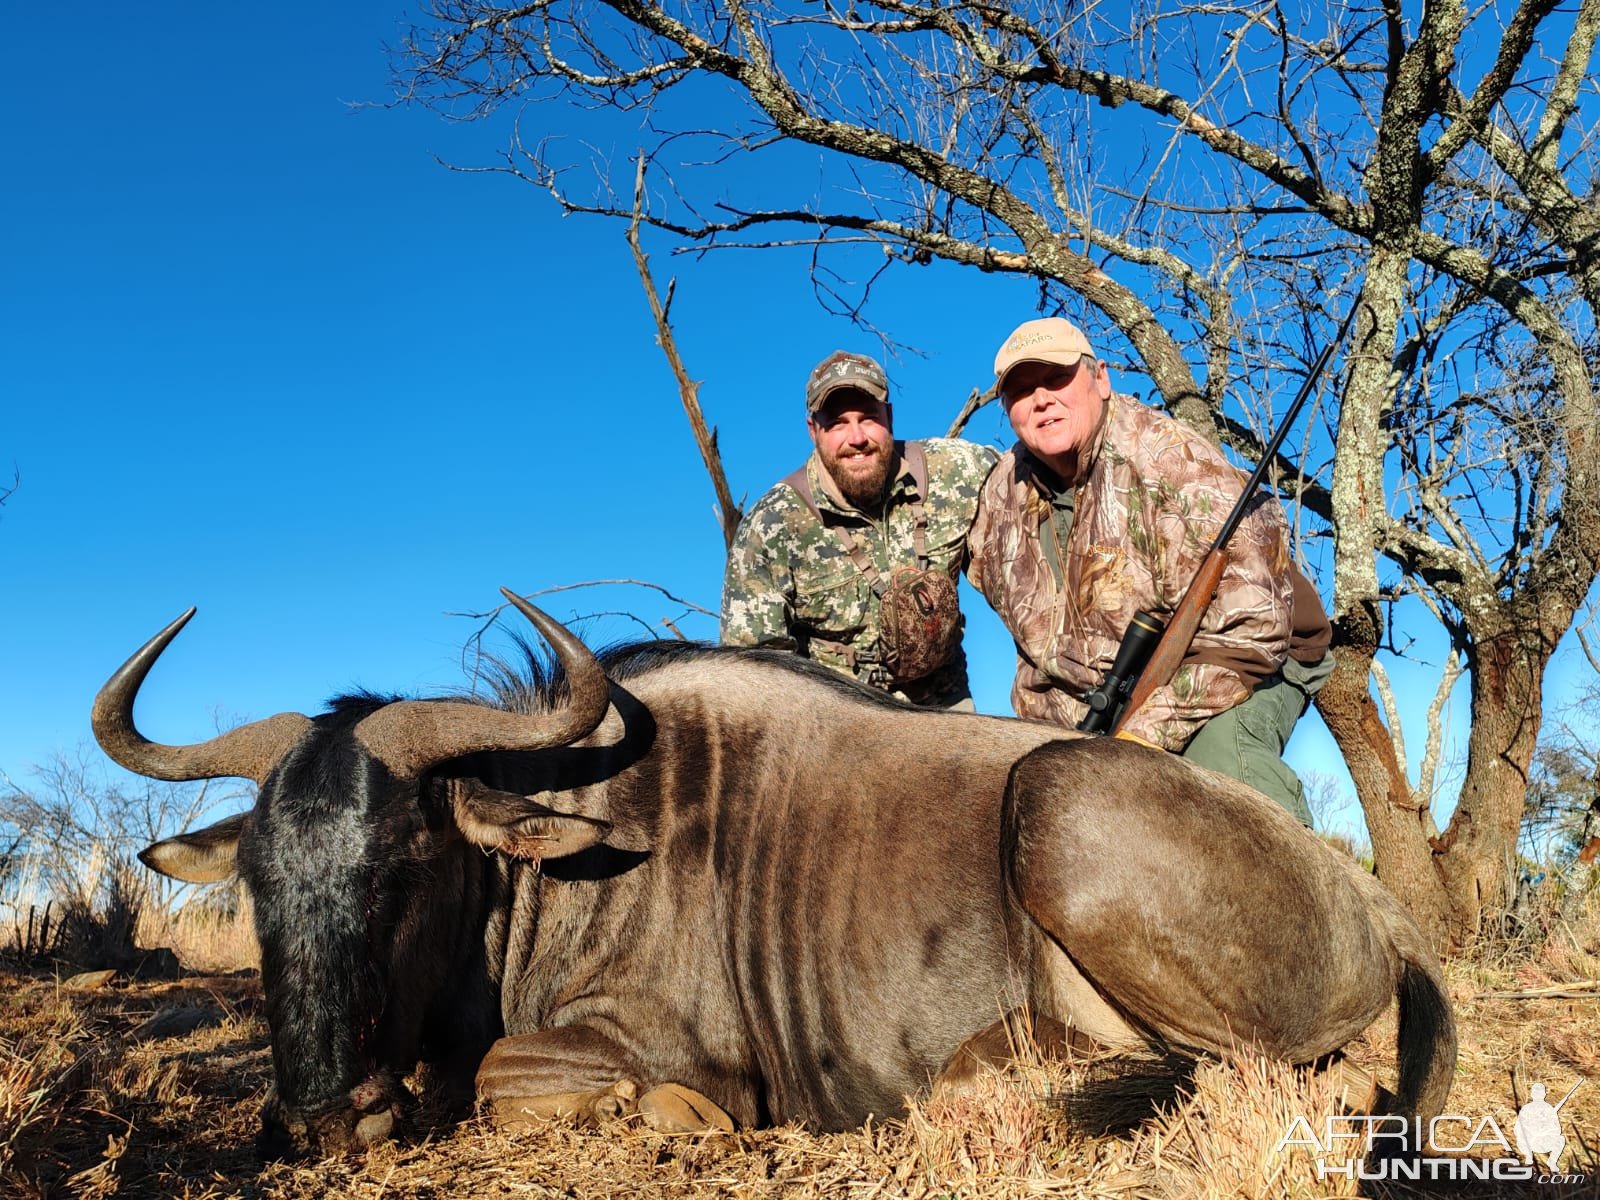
(1146, 663)
(1108, 700)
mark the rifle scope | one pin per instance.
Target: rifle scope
(1106, 701)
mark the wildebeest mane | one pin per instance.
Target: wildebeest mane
(529, 680)
(349, 707)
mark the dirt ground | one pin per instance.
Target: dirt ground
(147, 1089)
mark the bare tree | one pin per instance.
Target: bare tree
(1209, 187)
(1561, 822)
(74, 827)
(1563, 807)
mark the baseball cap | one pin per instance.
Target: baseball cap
(1048, 340)
(842, 369)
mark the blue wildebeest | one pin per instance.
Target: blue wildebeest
(717, 887)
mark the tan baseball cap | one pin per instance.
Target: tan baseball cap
(842, 369)
(1048, 340)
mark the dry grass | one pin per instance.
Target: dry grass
(33, 1083)
(147, 1089)
(1222, 1140)
(210, 933)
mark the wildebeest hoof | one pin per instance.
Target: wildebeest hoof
(612, 1103)
(620, 1100)
(673, 1108)
(1018, 1037)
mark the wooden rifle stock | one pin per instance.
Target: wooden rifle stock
(1169, 653)
(1173, 647)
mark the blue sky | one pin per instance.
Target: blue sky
(264, 355)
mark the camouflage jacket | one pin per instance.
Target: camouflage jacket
(790, 583)
(1154, 501)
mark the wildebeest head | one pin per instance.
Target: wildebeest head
(355, 808)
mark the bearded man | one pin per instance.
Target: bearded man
(852, 560)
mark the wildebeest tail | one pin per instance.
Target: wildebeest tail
(1427, 1038)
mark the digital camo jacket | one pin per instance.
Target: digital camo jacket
(1141, 523)
(790, 583)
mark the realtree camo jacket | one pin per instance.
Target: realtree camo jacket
(1153, 503)
(791, 584)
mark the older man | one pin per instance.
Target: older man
(852, 559)
(1105, 507)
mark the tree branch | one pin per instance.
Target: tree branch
(728, 513)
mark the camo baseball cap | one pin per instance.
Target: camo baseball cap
(841, 369)
(1049, 340)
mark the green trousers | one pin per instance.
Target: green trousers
(1247, 740)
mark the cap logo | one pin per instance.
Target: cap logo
(840, 370)
(1032, 339)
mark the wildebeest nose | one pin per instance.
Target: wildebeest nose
(346, 1130)
(371, 1116)
(375, 1127)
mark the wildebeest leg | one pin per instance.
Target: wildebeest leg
(581, 1074)
(1061, 989)
(1016, 1035)
(572, 1072)
(1204, 914)
(611, 1103)
(1357, 1090)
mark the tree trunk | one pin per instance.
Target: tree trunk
(1450, 883)
(1397, 825)
(1479, 849)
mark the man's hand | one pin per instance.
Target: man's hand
(1125, 736)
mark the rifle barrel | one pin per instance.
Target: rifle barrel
(1231, 525)
(1171, 650)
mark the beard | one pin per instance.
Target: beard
(864, 481)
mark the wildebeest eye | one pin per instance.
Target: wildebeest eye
(433, 797)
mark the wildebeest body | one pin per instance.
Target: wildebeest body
(743, 875)
(788, 930)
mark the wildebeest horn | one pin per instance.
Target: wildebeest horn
(410, 736)
(249, 752)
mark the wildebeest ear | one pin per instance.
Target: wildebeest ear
(519, 825)
(202, 856)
